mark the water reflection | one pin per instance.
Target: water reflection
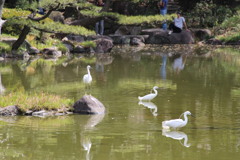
(102, 60)
(153, 108)
(179, 62)
(2, 89)
(87, 144)
(88, 128)
(178, 136)
(163, 72)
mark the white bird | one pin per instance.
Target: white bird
(150, 96)
(176, 123)
(1, 24)
(87, 78)
(153, 108)
(178, 136)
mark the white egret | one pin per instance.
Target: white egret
(150, 96)
(1, 24)
(176, 123)
(87, 78)
(177, 135)
(153, 108)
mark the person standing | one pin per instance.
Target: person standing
(163, 7)
(163, 11)
(99, 27)
(177, 25)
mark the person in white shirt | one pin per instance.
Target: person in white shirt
(177, 25)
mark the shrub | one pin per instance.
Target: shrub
(207, 14)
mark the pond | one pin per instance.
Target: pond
(207, 84)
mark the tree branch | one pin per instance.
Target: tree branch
(46, 15)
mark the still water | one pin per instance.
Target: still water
(207, 84)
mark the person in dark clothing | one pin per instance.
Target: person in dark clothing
(177, 25)
(99, 27)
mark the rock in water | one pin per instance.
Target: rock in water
(88, 105)
(10, 111)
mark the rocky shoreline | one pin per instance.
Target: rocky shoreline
(86, 105)
(123, 36)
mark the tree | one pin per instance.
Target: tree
(1, 8)
(33, 21)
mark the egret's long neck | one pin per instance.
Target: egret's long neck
(155, 91)
(0, 78)
(185, 118)
(88, 70)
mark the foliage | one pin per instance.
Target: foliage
(87, 44)
(35, 101)
(129, 20)
(4, 47)
(62, 47)
(207, 14)
(50, 42)
(12, 15)
(229, 30)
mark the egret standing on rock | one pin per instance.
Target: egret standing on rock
(87, 78)
(150, 96)
(176, 123)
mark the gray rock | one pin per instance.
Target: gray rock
(201, 34)
(214, 41)
(52, 52)
(160, 36)
(127, 39)
(137, 41)
(128, 30)
(69, 46)
(57, 16)
(10, 111)
(33, 51)
(88, 105)
(41, 113)
(79, 49)
(77, 38)
(103, 45)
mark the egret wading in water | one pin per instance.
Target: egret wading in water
(150, 96)
(87, 78)
(176, 123)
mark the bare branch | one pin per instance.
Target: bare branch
(46, 15)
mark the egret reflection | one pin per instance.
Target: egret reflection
(2, 89)
(153, 108)
(88, 127)
(87, 144)
(178, 136)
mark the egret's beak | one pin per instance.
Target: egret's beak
(193, 116)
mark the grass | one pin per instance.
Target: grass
(130, 20)
(87, 44)
(4, 47)
(35, 101)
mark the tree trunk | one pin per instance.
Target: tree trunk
(1, 7)
(21, 38)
